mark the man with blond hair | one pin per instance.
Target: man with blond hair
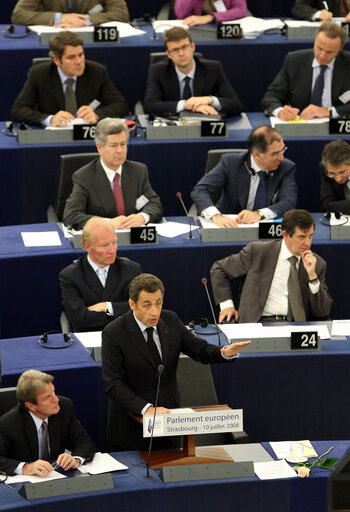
(95, 288)
(40, 428)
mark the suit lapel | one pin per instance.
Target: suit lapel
(173, 86)
(112, 280)
(54, 434)
(243, 183)
(137, 339)
(57, 89)
(268, 262)
(104, 191)
(91, 278)
(129, 188)
(199, 82)
(338, 77)
(306, 72)
(31, 434)
(164, 339)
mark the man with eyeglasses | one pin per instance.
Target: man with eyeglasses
(283, 279)
(313, 83)
(335, 177)
(111, 186)
(184, 81)
(255, 184)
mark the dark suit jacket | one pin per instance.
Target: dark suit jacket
(42, 94)
(81, 288)
(305, 9)
(19, 439)
(257, 261)
(232, 178)
(332, 194)
(163, 90)
(131, 375)
(293, 83)
(92, 194)
(42, 12)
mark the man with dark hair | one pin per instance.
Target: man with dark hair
(112, 186)
(255, 184)
(133, 346)
(56, 92)
(69, 13)
(283, 280)
(315, 9)
(40, 429)
(313, 83)
(95, 288)
(187, 82)
(335, 177)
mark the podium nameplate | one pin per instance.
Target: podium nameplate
(340, 232)
(194, 422)
(87, 37)
(124, 239)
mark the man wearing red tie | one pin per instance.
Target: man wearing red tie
(111, 186)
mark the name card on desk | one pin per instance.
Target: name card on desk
(270, 230)
(193, 422)
(106, 35)
(84, 131)
(308, 340)
(143, 235)
(229, 31)
(213, 128)
(339, 126)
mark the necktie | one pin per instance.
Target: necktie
(44, 447)
(260, 196)
(118, 195)
(317, 91)
(295, 302)
(101, 272)
(187, 89)
(70, 98)
(152, 346)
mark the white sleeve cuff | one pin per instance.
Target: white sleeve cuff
(226, 304)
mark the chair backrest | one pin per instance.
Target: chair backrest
(195, 383)
(40, 60)
(213, 159)
(155, 57)
(69, 164)
(8, 399)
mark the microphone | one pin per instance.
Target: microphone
(160, 371)
(179, 196)
(204, 283)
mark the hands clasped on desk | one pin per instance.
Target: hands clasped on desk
(43, 467)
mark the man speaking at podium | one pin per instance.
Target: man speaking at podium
(184, 81)
(283, 280)
(313, 83)
(133, 347)
(69, 87)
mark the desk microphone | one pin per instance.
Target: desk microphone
(160, 371)
(204, 282)
(179, 196)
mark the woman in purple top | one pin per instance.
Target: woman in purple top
(191, 11)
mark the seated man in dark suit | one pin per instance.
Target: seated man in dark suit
(133, 346)
(91, 300)
(67, 14)
(111, 186)
(255, 184)
(56, 92)
(313, 83)
(315, 9)
(40, 429)
(185, 82)
(335, 177)
(284, 280)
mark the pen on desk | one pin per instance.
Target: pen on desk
(93, 105)
(326, 6)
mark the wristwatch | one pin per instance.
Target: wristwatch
(261, 214)
(314, 280)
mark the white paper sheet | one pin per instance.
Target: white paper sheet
(252, 27)
(41, 238)
(282, 448)
(163, 25)
(124, 29)
(102, 463)
(341, 328)
(276, 121)
(237, 331)
(90, 339)
(172, 229)
(209, 224)
(33, 479)
(273, 470)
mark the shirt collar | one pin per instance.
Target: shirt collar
(316, 64)
(141, 325)
(95, 266)
(285, 252)
(37, 421)
(109, 172)
(181, 75)
(64, 77)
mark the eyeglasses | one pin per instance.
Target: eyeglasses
(335, 174)
(182, 48)
(278, 153)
